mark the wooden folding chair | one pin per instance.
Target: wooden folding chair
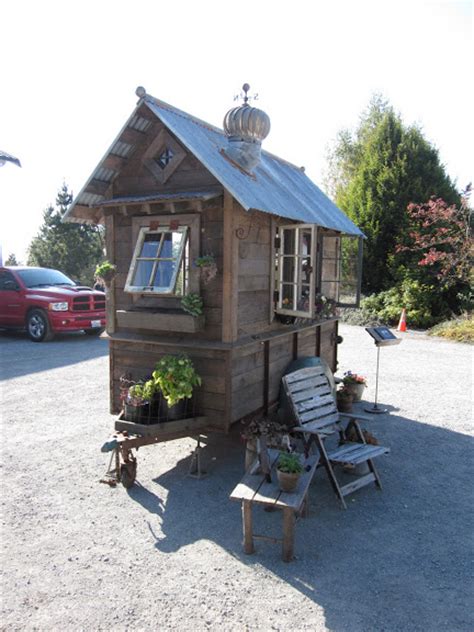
(317, 418)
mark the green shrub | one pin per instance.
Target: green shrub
(459, 329)
(423, 303)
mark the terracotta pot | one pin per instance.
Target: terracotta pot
(344, 404)
(287, 482)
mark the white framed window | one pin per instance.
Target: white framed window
(317, 270)
(164, 248)
(340, 265)
(296, 256)
(159, 261)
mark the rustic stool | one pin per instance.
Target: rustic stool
(254, 488)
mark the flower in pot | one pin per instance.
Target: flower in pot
(192, 303)
(324, 307)
(208, 267)
(289, 469)
(106, 272)
(355, 384)
(344, 399)
(176, 379)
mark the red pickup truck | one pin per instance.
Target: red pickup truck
(46, 302)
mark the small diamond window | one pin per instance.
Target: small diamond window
(164, 159)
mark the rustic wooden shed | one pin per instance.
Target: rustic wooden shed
(285, 254)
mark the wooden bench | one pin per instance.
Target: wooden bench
(254, 489)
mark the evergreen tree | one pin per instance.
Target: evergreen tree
(12, 260)
(374, 175)
(75, 249)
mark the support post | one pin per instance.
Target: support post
(247, 525)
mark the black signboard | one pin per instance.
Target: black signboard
(383, 336)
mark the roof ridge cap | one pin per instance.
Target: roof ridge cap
(179, 112)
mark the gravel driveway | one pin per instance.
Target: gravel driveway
(166, 555)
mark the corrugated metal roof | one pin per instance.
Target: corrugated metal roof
(275, 187)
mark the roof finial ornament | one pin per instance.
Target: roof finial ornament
(244, 95)
(140, 92)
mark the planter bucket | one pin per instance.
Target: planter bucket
(287, 482)
(357, 391)
(137, 414)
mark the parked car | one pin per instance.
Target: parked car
(46, 302)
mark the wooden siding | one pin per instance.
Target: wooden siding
(253, 236)
(139, 358)
(120, 251)
(248, 364)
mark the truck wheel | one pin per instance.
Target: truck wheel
(38, 327)
(95, 332)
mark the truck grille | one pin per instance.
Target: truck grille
(88, 304)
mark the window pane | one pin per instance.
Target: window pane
(288, 269)
(287, 296)
(303, 299)
(143, 271)
(164, 274)
(150, 245)
(305, 246)
(289, 242)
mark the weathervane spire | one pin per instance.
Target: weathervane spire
(245, 96)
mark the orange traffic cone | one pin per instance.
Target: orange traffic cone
(402, 325)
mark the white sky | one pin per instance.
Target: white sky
(69, 71)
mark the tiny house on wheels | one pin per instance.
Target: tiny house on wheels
(176, 193)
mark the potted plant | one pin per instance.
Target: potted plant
(176, 379)
(106, 272)
(344, 399)
(208, 267)
(192, 303)
(289, 469)
(136, 403)
(355, 384)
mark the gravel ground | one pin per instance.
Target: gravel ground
(166, 555)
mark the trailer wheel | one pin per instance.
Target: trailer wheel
(128, 474)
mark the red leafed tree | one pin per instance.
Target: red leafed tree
(442, 236)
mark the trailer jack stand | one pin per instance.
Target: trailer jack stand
(111, 477)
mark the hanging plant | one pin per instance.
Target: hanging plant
(192, 303)
(106, 271)
(208, 267)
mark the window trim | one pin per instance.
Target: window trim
(279, 309)
(339, 281)
(152, 223)
(163, 141)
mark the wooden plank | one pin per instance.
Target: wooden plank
(110, 227)
(163, 430)
(229, 275)
(254, 283)
(166, 321)
(311, 399)
(356, 455)
(323, 421)
(247, 526)
(357, 484)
